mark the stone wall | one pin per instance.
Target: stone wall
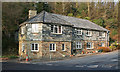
(28, 35)
(96, 45)
(94, 36)
(69, 37)
(31, 54)
(46, 53)
(47, 35)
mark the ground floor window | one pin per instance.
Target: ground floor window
(102, 44)
(78, 45)
(23, 47)
(52, 47)
(89, 45)
(63, 47)
(34, 47)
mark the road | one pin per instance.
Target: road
(104, 61)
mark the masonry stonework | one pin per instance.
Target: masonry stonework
(46, 53)
(44, 37)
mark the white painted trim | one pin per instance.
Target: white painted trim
(64, 47)
(91, 45)
(79, 30)
(35, 29)
(57, 29)
(23, 30)
(89, 33)
(79, 43)
(34, 47)
(23, 47)
(52, 47)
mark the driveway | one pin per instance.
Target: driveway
(104, 61)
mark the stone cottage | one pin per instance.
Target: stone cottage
(49, 35)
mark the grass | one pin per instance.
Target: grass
(9, 56)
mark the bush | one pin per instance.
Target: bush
(104, 49)
(118, 47)
(113, 47)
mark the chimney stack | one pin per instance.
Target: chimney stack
(32, 13)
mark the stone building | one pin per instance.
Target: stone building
(49, 35)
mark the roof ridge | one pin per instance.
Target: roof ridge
(60, 18)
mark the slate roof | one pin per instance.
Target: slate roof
(46, 17)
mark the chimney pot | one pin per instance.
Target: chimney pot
(32, 13)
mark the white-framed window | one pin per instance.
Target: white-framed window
(63, 47)
(78, 45)
(102, 44)
(102, 34)
(35, 28)
(23, 30)
(89, 33)
(89, 45)
(79, 31)
(34, 47)
(23, 47)
(56, 29)
(52, 47)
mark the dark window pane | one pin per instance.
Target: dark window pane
(55, 29)
(51, 28)
(88, 45)
(53, 46)
(63, 46)
(59, 29)
(50, 46)
(36, 46)
(87, 32)
(32, 46)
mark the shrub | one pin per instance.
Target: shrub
(104, 49)
(118, 47)
(113, 47)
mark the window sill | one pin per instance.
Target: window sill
(53, 51)
(34, 32)
(89, 48)
(101, 37)
(22, 34)
(89, 35)
(57, 33)
(79, 34)
(78, 48)
(64, 50)
(34, 50)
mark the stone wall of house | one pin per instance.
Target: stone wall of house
(28, 35)
(31, 54)
(22, 36)
(94, 36)
(68, 37)
(96, 45)
(47, 35)
(46, 53)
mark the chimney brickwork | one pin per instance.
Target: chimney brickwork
(32, 13)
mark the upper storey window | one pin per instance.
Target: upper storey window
(23, 30)
(35, 28)
(79, 32)
(89, 33)
(102, 34)
(56, 29)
